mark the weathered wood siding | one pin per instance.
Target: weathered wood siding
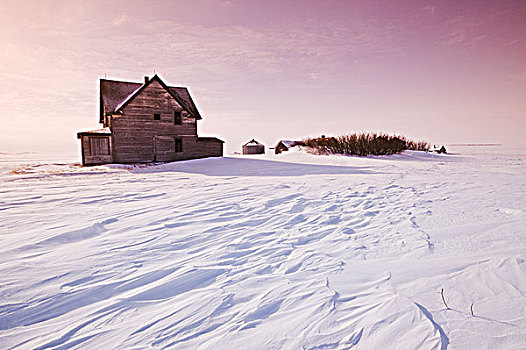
(210, 147)
(194, 147)
(135, 132)
(164, 147)
(254, 149)
(96, 150)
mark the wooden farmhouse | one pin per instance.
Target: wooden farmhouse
(285, 145)
(253, 147)
(146, 122)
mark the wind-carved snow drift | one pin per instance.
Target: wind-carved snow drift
(234, 253)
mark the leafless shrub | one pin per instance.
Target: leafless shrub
(363, 144)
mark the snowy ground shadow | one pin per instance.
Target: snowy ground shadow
(444, 340)
(228, 166)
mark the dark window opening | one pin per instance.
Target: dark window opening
(178, 145)
(177, 118)
(156, 116)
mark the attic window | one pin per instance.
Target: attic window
(177, 117)
(156, 116)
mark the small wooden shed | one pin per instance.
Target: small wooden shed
(285, 145)
(253, 147)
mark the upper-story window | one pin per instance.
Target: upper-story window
(177, 118)
(157, 116)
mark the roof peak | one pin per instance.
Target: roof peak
(115, 94)
(141, 83)
(253, 141)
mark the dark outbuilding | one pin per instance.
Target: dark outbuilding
(253, 147)
(285, 145)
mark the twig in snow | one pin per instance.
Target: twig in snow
(472, 314)
(443, 299)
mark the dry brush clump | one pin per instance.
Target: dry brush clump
(363, 144)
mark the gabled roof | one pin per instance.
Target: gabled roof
(253, 143)
(184, 97)
(115, 95)
(288, 143)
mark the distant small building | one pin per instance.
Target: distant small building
(285, 145)
(253, 147)
(439, 150)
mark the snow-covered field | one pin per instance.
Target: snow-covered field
(278, 252)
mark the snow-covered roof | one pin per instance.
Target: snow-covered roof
(253, 142)
(99, 132)
(289, 143)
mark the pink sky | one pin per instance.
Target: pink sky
(444, 71)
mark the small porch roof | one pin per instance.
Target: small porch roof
(98, 132)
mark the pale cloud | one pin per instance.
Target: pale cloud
(270, 51)
(455, 38)
(120, 20)
(429, 8)
(520, 75)
(472, 28)
(513, 42)
(224, 3)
